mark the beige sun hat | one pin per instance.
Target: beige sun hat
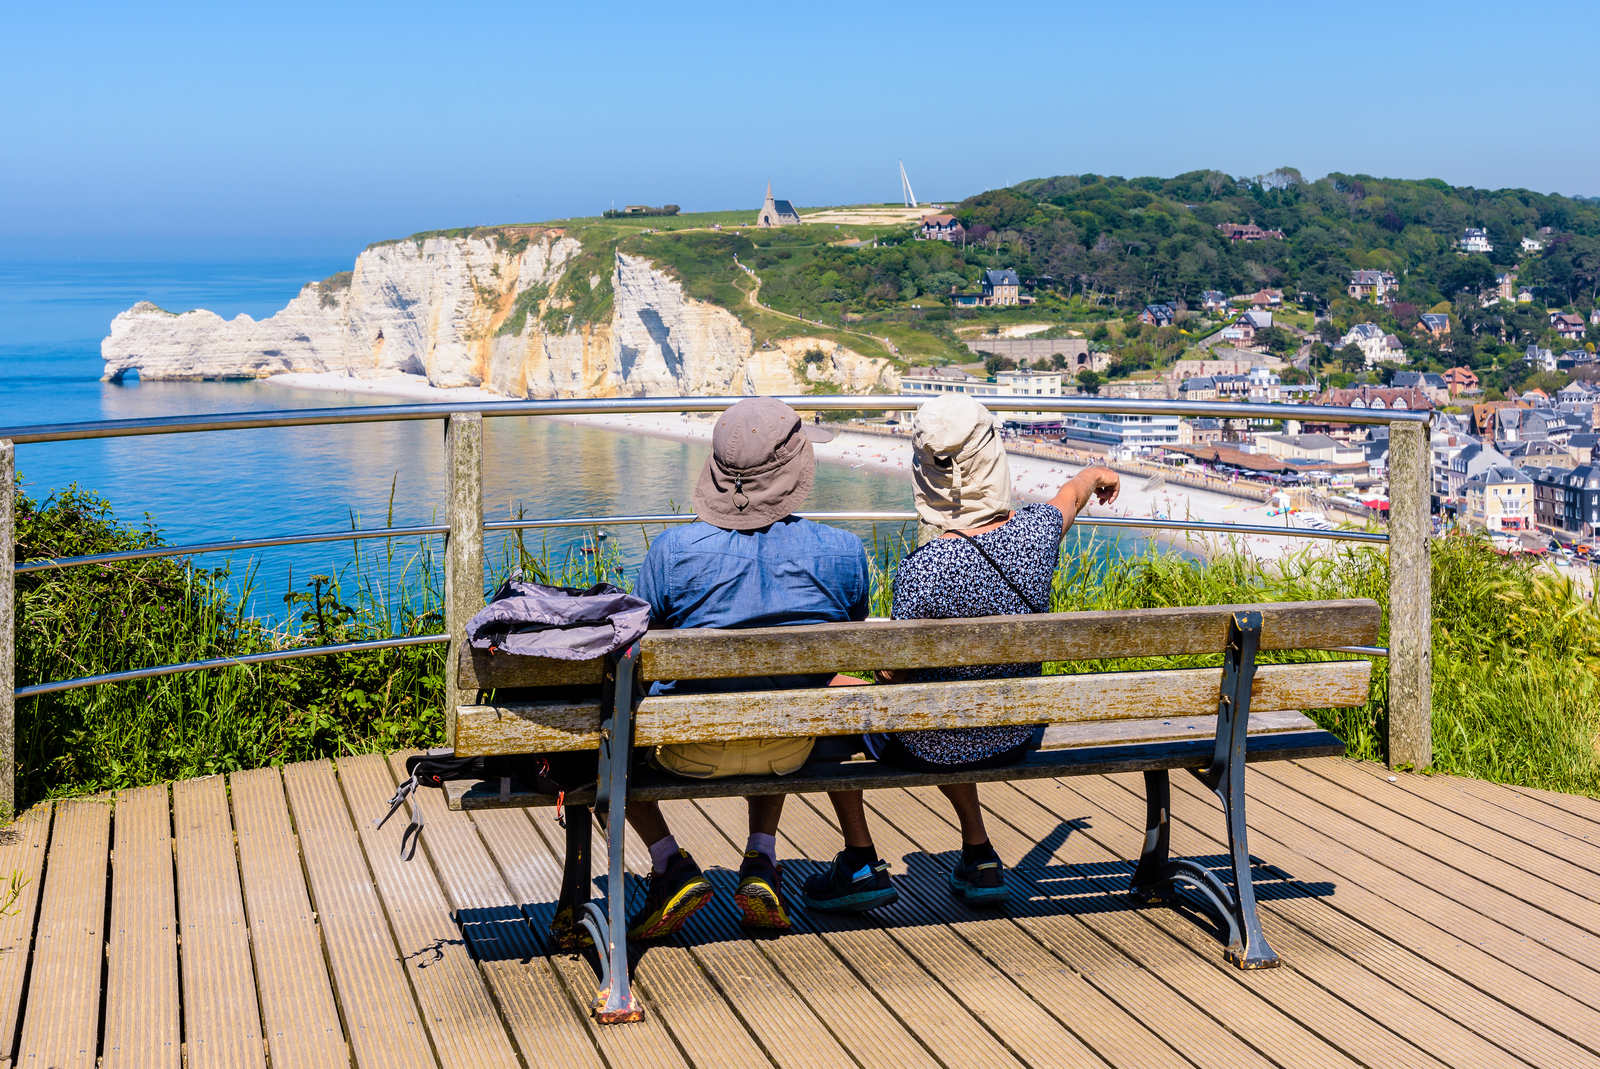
(960, 477)
(761, 465)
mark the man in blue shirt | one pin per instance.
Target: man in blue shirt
(746, 562)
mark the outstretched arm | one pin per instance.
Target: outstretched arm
(1101, 484)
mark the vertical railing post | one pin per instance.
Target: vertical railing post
(1410, 597)
(8, 628)
(463, 547)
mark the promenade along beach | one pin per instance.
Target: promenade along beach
(1033, 478)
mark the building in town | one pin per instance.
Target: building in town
(1247, 232)
(1461, 381)
(1501, 499)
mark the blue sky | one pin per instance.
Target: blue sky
(169, 129)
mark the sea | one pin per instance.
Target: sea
(262, 483)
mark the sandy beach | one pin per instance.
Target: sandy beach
(1032, 478)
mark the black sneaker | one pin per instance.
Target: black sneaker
(670, 898)
(850, 886)
(982, 883)
(760, 893)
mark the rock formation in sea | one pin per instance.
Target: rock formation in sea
(519, 311)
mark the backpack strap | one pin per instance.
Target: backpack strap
(1015, 589)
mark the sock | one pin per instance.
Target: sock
(973, 853)
(866, 855)
(661, 852)
(763, 844)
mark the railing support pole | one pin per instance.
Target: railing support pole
(463, 548)
(8, 629)
(1410, 597)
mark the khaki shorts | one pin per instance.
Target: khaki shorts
(747, 757)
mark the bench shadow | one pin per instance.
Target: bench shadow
(1040, 885)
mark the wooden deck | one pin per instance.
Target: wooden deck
(261, 921)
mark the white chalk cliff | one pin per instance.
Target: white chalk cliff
(448, 308)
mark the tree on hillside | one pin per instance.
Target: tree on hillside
(1351, 358)
(1090, 380)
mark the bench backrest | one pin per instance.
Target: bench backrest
(540, 726)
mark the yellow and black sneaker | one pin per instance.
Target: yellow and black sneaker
(760, 893)
(670, 898)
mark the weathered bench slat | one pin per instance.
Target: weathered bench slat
(550, 726)
(647, 785)
(706, 653)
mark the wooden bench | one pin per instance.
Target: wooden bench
(1147, 721)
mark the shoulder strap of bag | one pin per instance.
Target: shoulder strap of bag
(1015, 589)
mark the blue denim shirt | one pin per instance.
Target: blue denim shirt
(793, 572)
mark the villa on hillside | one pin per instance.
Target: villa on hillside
(1436, 324)
(1159, 315)
(941, 227)
(1247, 232)
(1374, 285)
(777, 212)
(1567, 325)
(1003, 287)
(1475, 239)
(1213, 300)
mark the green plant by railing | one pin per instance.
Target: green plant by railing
(1516, 648)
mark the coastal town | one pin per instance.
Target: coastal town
(1518, 464)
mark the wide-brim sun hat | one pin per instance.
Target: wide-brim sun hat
(959, 472)
(761, 466)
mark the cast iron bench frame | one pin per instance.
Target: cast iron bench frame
(1099, 722)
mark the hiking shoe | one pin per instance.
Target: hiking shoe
(760, 893)
(669, 899)
(850, 886)
(567, 933)
(982, 883)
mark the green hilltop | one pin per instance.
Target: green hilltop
(1096, 249)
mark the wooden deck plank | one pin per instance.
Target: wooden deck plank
(61, 1028)
(950, 1031)
(1528, 1019)
(1515, 800)
(143, 1002)
(298, 1012)
(536, 1008)
(706, 1026)
(1145, 1014)
(1538, 981)
(849, 1010)
(382, 1023)
(1570, 864)
(22, 850)
(1062, 877)
(533, 874)
(790, 1032)
(1469, 811)
(222, 1017)
(1351, 981)
(1470, 883)
(1482, 858)
(457, 1010)
(929, 920)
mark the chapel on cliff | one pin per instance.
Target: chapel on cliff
(777, 212)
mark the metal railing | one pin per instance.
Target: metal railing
(465, 527)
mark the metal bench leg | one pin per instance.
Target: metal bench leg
(1248, 948)
(1247, 945)
(1150, 879)
(575, 878)
(614, 1002)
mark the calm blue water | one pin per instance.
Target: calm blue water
(240, 484)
